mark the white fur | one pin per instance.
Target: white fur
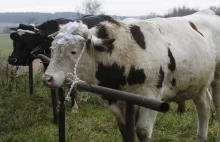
(25, 31)
(197, 63)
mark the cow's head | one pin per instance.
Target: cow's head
(28, 41)
(66, 49)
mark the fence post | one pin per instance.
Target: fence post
(61, 115)
(130, 99)
(54, 99)
(31, 86)
(129, 123)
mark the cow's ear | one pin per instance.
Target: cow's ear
(106, 45)
(14, 28)
(108, 41)
(49, 39)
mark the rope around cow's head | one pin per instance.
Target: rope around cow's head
(62, 38)
(73, 77)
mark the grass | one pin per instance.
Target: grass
(29, 118)
(5, 45)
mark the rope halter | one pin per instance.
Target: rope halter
(63, 38)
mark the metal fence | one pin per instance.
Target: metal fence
(130, 99)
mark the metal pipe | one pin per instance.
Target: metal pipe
(43, 58)
(129, 123)
(61, 115)
(54, 98)
(125, 96)
(31, 83)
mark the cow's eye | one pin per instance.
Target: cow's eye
(73, 52)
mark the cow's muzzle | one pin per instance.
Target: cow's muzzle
(48, 80)
(12, 61)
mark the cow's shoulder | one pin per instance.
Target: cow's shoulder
(206, 12)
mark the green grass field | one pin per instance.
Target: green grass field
(5, 45)
(25, 118)
(29, 119)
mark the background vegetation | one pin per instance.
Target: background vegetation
(88, 7)
(29, 118)
(5, 45)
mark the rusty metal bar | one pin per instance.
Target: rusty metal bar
(54, 99)
(43, 58)
(129, 123)
(61, 115)
(125, 96)
(54, 92)
(31, 83)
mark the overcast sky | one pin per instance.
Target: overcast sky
(110, 7)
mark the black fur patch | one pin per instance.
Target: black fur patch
(106, 46)
(100, 48)
(102, 31)
(138, 36)
(113, 21)
(49, 27)
(26, 27)
(160, 30)
(63, 21)
(172, 64)
(173, 82)
(52, 26)
(195, 28)
(160, 78)
(136, 76)
(92, 20)
(111, 76)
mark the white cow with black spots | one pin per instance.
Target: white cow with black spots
(173, 59)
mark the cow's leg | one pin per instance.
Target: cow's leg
(202, 103)
(119, 115)
(73, 102)
(84, 96)
(181, 106)
(145, 122)
(75, 107)
(216, 101)
(121, 127)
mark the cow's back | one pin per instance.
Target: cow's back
(204, 25)
(194, 43)
(178, 41)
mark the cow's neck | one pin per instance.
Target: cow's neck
(86, 69)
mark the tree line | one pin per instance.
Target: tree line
(36, 17)
(183, 11)
(23, 17)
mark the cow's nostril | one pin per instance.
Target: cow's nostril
(12, 60)
(49, 78)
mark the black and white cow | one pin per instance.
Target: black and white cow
(173, 59)
(29, 41)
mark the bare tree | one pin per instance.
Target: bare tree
(180, 11)
(151, 15)
(31, 20)
(216, 10)
(78, 12)
(91, 7)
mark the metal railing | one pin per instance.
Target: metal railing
(130, 99)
